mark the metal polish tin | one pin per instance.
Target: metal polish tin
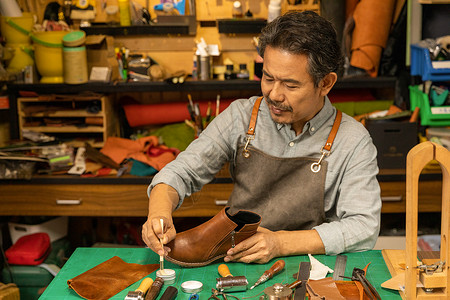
(168, 275)
(277, 292)
(192, 286)
(232, 284)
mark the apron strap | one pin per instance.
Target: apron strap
(334, 130)
(326, 150)
(252, 125)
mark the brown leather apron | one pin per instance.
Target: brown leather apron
(287, 192)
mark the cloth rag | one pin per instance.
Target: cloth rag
(318, 270)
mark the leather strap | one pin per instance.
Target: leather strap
(252, 124)
(334, 130)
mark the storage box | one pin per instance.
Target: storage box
(100, 53)
(56, 228)
(429, 115)
(31, 279)
(422, 65)
(393, 140)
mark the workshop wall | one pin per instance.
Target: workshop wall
(175, 53)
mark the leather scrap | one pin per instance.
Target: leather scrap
(373, 19)
(109, 278)
(323, 289)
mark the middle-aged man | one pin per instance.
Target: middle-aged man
(309, 173)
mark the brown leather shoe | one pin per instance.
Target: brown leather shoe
(211, 240)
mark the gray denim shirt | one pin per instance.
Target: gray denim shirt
(352, 193)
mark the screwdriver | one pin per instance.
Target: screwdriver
(274, 269)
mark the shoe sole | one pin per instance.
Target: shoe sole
(194, 265)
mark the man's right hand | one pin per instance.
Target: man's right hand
(152, 233)
(162, 202)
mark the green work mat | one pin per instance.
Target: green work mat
(84, 259)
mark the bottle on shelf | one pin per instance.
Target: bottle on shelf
(243, 72)
(229, 72)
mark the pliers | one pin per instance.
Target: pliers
(216, 293)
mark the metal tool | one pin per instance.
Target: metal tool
(360, 275)
(232, 284)
(304, 269)
(274, 269)
(216, 293)
(339, 267)
(154, 290)
(277, 292)
(139, 293)
(161, 257)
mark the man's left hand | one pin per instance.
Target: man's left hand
(259, 248)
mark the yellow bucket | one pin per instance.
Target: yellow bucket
(48, 55)
(20, 58)
(14, 35)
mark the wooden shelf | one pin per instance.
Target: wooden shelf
(40, 115)
(210, 85)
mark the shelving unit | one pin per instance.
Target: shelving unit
(68, 118)
(15, 90)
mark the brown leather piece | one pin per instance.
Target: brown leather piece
(211, 240)
(323, 289)
(108, 278)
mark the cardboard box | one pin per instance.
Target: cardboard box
(393, 140)
(100, 53)
(56, 228)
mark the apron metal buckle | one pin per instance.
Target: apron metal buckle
(245, 152)
(315, 167)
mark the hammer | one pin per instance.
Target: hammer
(139, 293)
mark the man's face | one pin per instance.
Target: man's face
(288, 88)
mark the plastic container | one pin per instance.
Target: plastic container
(243, 72)
(15, 29)
(48, 55)
(74, 58)
(422, 65)
(237, 11)
(429, 115)
(56, 228)
(274, 10)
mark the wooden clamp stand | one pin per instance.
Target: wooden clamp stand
(437, 284)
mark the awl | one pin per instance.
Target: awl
(139, 293)
(274, 269)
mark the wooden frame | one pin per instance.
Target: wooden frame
(416, 160)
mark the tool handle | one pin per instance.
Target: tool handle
(155, 289)
(275, 268)
(295, 284)
(170, 293)
(145, 284)
(224, 271)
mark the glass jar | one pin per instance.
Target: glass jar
(243, 72)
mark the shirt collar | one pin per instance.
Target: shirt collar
(324, 115)
(318, 120)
